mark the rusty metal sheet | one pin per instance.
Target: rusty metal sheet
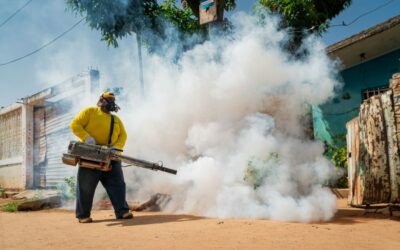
(395, 169)
(373, 160)
(374, 164)
(393, 150)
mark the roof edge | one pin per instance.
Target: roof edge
(379, 28)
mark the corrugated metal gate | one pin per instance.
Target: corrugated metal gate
(57, 133)
(52, 133)
(51, 137)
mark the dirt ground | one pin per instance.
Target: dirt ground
(58, 229)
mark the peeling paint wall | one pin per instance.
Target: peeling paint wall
(373, 152)
(395, 170)
(373, 149)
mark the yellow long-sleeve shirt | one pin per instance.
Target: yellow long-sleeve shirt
(94, 122)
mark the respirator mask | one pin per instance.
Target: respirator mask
(110, 105)
(107, 102)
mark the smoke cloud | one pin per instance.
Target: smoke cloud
(229, 115)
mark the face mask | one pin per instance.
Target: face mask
(110, 106)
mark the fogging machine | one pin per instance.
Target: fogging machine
(99, 157)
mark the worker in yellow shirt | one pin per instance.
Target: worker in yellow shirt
(96, 125)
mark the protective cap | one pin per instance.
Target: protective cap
(108, 95)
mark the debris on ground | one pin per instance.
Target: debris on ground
(32, 200)
(155, 203)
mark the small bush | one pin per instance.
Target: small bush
(338, 157)
(10, 207)
(259, 169)
(2, 192)
(67, 189)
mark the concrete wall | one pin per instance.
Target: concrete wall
(11, 155)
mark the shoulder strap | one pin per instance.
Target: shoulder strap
(111, 130)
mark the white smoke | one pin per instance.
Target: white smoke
(228, 115)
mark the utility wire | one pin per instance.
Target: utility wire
(43, 46)
(342, 24)
(362, 15)
(15, 13)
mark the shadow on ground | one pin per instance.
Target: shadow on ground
(349, 215)
(149, 219)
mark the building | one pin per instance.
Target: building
(369, 59)
(34, 133)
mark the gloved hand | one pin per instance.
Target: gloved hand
(116, 150)
(90, 140)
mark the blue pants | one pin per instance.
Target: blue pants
(112, 181)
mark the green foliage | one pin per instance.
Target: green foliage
(304, 16)
(71, 182)
(251, 176)
(338, 157)
(118, 19)
(10, 207)
(257, 170)
(183, 19)
(229, 5)
(2, 192)
(67, 189)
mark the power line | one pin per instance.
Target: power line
(43, 46)
(15, 13)
(362, 15)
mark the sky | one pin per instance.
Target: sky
(81, 49)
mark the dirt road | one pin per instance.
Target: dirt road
(57, 229)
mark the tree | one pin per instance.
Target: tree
(116, 19)
(304, 16)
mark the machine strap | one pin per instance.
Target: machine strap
(111, 130)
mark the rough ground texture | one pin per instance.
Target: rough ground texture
(58, 229)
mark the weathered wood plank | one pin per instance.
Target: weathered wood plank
(353, 155)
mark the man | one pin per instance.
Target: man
(96, 125)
